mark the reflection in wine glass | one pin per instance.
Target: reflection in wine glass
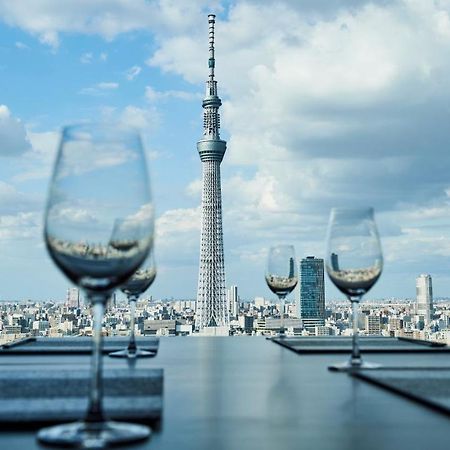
(281, 275)
(84, 204)
(354, 263)
(133, 288)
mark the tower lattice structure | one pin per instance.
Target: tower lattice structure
(212, 308)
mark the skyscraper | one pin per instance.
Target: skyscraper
(311, 306)
(424, 298)
(334, 262)
(73, 297)
(212, 308)
(233, 301)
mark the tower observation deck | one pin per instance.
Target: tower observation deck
(212, 308)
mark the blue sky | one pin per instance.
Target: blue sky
(325, 104)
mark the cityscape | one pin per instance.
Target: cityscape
(221, 311)
(306, 314)
(171, 174)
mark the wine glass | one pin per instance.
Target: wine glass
(98, 231)
(281, 275)
(354, 263)
(141, 280)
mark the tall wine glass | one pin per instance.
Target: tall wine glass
(281, 274)
(354, 263)
(141, 280)
(98, 231)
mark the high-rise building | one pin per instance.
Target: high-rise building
(73, 297)
(424, 298)
(233, 301)
(311, 302)
(334, 262)
(211, 308)
(372, 324)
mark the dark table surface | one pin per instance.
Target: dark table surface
(249, 393)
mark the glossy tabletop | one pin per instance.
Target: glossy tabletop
(249, 393)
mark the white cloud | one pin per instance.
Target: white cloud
(23, 225)
(144, 119)
(153, 95)
(90, 91)
(86, 58)
(194, 188)
(144, 214)
(176, 221)
(100, 89)
(350, 106)
(133, 72)
(37, 163)
(325, 94)
(47, 19)
(50, 38)
(74, 216)
(107, 85)
(13, 139)
(21, 46)
(89, 57)
(177, 235)
(12, 200)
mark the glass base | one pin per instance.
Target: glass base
(348, 366)
(138, 353)
(93, 434)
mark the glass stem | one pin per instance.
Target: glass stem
(132, 344)
(356, 355)
(282, 300)
(95, 409)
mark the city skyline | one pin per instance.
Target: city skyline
(342, 103)
(258, 317)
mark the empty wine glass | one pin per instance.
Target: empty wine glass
(98, 231)
(141, 280)
(354, 263)
(281, 275)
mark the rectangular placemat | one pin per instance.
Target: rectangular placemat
(72, 345)
(428, 386)
(49, 396)
(380, 344)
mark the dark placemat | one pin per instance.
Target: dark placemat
(72, 345)
(380, 344)
(36, 397)
(428, 386)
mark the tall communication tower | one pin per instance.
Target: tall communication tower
(212, 308)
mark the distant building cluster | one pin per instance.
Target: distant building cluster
(308, 315)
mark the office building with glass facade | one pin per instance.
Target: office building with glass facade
(311, 301)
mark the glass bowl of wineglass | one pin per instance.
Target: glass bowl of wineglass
(98, 231)
(281, 275)
(354, 263)
(141, 280)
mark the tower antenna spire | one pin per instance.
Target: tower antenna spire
(211, 102)
(211, 61)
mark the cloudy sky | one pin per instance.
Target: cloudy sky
(325, 103)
